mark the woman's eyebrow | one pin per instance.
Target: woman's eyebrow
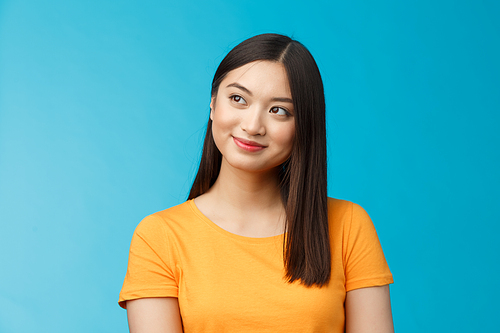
(274, 99)
(282, 99)
(239, 86)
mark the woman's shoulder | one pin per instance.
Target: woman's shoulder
(337, 203)
(172, 217)
(341, 205)
(345, 213)
(178, 211)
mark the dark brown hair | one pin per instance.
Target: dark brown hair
(303, 176)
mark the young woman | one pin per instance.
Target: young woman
(258, 246)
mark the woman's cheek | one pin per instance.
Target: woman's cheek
(222, 127)
(287, 136)
(225, 120)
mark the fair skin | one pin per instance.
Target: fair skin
(253, 103)
(154, 315)
(369, 310)
(253, 127)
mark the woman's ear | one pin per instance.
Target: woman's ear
(212, 107)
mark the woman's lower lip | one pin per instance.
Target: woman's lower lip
(247, 147)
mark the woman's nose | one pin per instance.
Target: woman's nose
(252, 122)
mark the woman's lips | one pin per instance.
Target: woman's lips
(248, 145)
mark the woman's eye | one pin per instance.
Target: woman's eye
(279, 111)
(238, 99)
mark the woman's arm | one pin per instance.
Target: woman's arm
(368, 310)
(154, 315)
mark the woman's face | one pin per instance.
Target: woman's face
(253, 117)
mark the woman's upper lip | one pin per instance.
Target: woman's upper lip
(249, 142)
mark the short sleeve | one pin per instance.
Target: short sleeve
(150, 272)
(364, 260)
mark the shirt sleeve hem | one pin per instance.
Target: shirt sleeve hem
(171, 292)
(373, 282)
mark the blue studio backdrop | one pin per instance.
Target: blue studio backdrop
(103, 106)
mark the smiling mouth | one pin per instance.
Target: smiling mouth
(248, 145)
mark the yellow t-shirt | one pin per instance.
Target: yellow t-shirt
(230, 283)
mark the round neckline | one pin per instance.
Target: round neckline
(253, 240)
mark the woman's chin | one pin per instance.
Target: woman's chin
(241, 165)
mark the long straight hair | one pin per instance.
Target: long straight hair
(306, 247)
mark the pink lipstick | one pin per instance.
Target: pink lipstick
(248, 145)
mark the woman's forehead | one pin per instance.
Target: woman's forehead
(261, 77)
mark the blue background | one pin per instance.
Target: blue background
(103, 105)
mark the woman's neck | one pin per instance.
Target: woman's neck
(247, 190)
(246, 203)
